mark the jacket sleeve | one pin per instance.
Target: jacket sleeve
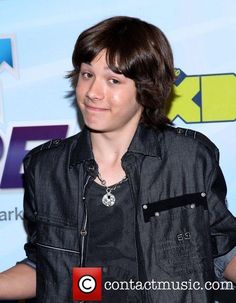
(221, 262)
(30, 211)
(222, 222)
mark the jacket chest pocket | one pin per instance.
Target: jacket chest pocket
(179, 232)
(57, 235)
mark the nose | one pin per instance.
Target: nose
(95, 90)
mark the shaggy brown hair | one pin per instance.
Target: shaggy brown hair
(138, 50)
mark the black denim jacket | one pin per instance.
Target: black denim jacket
(178, 191)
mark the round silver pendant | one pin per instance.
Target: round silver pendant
(108, 199)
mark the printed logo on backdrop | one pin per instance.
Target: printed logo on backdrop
(13, 145)
(204, 98)
(8, 62)
(8, 58)
(14, 214)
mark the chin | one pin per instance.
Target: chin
(95, 128)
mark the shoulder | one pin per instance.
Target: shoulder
(178, 137)
(52, 147)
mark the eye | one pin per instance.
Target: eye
(114, 81)
(86, 75)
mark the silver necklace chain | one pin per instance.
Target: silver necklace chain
(109, 199)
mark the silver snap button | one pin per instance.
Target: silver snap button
(145, 206)
(203, 194)
(56, 141)
(180, 130)
(192, 205)
(83, 232)
(157, 214)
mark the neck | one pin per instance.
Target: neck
(111, 146)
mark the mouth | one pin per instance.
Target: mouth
(94, 108)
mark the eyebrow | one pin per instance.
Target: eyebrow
(89, 63)
(106, 68)
(86, 63)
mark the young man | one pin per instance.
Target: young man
(130, 193)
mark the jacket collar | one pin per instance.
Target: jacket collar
(145, 141)
(83, 148)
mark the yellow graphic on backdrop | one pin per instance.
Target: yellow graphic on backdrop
(204, 98)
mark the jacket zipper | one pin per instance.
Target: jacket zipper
(84, 224)
(58, 248)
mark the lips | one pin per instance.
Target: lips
(95, 109)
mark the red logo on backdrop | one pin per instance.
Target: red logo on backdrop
(87, 283)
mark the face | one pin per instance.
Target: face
(106, 99)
